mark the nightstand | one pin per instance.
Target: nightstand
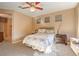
(61, 38)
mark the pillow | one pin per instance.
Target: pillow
(75, 41)
(49, 31)
(41, 30)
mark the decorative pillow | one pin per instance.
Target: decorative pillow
(49, 31)
(41, 30)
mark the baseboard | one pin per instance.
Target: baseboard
(16, 41)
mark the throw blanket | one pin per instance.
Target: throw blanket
(40, 41)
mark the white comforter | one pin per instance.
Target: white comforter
(40, 41)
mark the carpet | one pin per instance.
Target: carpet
(57, 50)
(19, 49)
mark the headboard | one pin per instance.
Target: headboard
(49, 28)
(45, 30)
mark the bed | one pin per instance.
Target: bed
(42, 40)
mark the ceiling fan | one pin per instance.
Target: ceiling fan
(32, 5)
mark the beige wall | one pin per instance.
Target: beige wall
(21, 25)
(68, 22)
(51, 24)
(77, 20)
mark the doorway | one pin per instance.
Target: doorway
(5, 29)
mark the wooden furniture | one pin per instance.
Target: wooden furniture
(1, 36)
(3, 19)
(61, 38)
(6, 28)
(74, 44)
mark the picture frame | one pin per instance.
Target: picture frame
(58, 18)
(47, 20)
(38, 21)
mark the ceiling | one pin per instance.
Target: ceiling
(48, 7)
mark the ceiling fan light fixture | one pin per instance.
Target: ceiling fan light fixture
(34, 6)
(32, 9)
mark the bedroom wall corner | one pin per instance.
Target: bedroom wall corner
(21, 26)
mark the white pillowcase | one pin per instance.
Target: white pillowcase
(45, 31)
(49, 31)
(41, 30)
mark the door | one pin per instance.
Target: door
(6, 28)
(2, 21)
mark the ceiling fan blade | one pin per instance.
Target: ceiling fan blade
(23, 7)
(37, 3)
(39, 8)
(29, 3)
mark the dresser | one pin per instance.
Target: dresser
(1, 36)
(61, 38)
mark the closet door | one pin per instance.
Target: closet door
(2, 21)
(8, 30)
